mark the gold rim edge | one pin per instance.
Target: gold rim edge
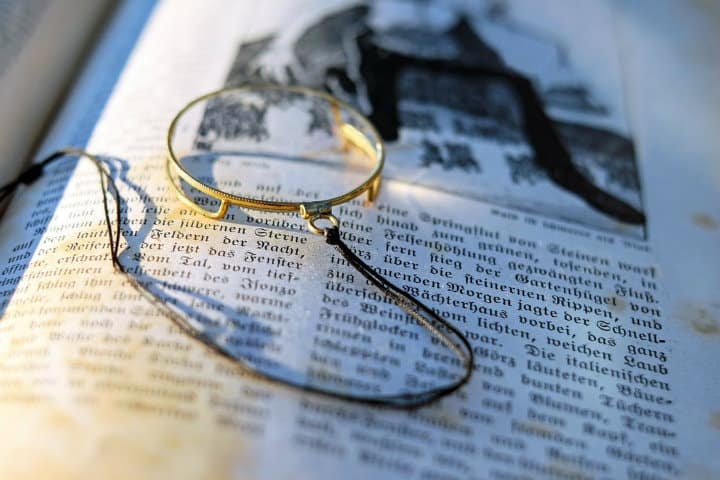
(370, 185)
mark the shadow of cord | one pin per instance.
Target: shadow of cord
(180, 312)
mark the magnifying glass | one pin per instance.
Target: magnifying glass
(286, 129)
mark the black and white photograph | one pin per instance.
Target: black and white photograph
(466, 96)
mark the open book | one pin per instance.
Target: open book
(588, 364)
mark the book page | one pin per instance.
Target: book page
(38, 54)
(576, 357)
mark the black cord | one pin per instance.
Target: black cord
(421, 312)
(425, 316)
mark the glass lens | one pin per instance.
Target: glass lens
(274, 144)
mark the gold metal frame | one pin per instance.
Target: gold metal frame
(350, 137)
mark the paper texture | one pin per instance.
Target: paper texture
(575, 370)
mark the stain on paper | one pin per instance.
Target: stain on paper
(715, 420)
(703, 319)
(703, 220)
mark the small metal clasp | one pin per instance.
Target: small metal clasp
(312, 212)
